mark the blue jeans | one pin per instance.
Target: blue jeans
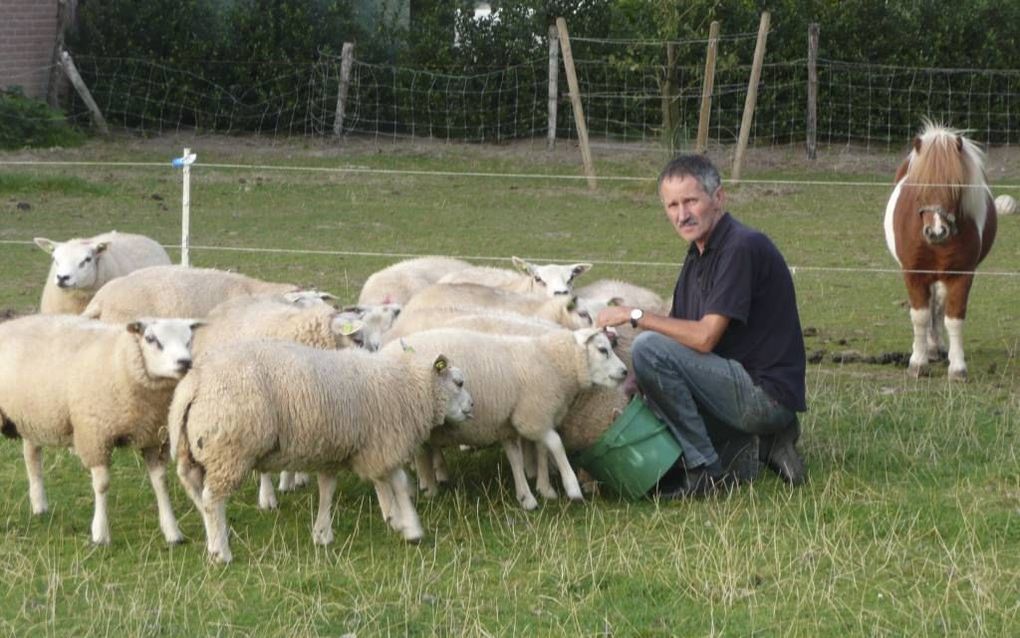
(702, 397)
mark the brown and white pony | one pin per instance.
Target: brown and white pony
(939, 224)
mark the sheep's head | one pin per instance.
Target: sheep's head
(450, 379)
(74, 262)
(308, 298)
(348, 330)
(553, 279)
(377, 319)
(165, 345)
(605, 367)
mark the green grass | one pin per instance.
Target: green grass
(910, 524)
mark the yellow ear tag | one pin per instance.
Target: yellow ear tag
(347, 328)
(440, 365)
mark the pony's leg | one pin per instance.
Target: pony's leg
(921, 320)
(956, 311)
(938, 314)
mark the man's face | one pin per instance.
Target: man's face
(692, 212)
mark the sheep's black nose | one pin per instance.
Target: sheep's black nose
(62, 280)
(184, 365)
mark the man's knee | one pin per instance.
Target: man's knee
(650, 350)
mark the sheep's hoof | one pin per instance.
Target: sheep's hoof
(268, 504)
(301, 479)
(322, 536)
(40, 511)
(413, 539)
(548, 494)
(529, 503)
(577, 497)
(101, 541)
(958, 375)
(918, 370)
(174, 539)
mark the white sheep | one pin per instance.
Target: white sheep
(401, 281)
(173, 291)
(298, 317)
(439, 303)
(273, 405)
(605, 292)
(523, 387)
(376, 319)
(548, 280)
(69, 381)
(82, 265)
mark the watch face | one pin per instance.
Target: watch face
(636, 314)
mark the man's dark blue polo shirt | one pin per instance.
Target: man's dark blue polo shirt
(743, 276)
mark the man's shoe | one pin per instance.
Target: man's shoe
(779, 453)
(700, 482)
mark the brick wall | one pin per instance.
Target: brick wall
(28, 30)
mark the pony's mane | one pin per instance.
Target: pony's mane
(947, 168)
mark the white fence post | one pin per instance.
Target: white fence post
(184, 163)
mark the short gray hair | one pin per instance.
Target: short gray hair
(693, 165)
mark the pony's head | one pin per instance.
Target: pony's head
(946, 172)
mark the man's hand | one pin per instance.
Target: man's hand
(613, 316)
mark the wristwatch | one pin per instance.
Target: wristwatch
(635, 316)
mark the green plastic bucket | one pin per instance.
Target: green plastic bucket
(634, 453)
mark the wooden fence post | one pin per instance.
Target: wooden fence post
(575, 101)
(346, 60)
(752, 94)
(554, 78)
(669, 122)
(57, 80)
(707, 87)
(812, 91)
(79, 85)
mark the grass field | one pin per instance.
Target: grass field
(910, 524)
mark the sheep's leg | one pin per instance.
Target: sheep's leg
(301, 479)
(442, 473)
(410, 524)
(530, 455)
(100, 523)
(542, 483)
(387, 504)
(426, 471)
(33, 464)
(286, 481)
(554, 444)
(322, 532)
(267, 496)
(156, 466)
(512, 447)
(191, 478)
(214, 511)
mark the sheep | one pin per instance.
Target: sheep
(272, 405)
(70, 381)
(173, 291)
(377, 319)
(81, 266)
(401, 281)
(299, 317)
(522, 387)
(605, 292)
(547, 280)
(438, 303)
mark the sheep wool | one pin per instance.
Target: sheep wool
(273, 405)
(81, 266)
(399, 282)
(67, 381)
(173, 291)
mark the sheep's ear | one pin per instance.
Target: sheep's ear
(46, 244)
(405, 347)
(572, 304)
(349, 327)
(197, 323)
(102, 246)
(584, 335)
(136, 327)
(396, 309)
(579, 269)
(523, 266)
(615, 301)
(357, 310)
(441, 363)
